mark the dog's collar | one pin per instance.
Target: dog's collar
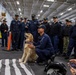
(29, 42)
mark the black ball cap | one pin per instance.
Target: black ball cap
(33, 15)
(4, 21)
(55, 17)
(45, 18)
(16, 15)
(25, 18)
(67, 20)
(21, 18)
(42, 26)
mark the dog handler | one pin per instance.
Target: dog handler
(44, 48)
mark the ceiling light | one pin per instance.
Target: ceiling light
(49, 21)
(41, 11)
(69, 9)
(61, 13)
(20, 13)
(51, 0)
(46, 5)
(38, 15)
(19, 9)
(18, 2)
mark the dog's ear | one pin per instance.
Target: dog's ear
(25, 34)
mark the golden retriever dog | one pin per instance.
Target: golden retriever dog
(29, 54)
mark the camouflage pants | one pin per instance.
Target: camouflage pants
(66, 42)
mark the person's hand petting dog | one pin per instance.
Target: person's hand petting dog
(31, 46)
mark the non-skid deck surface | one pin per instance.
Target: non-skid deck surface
(13, 67)
(12, 57)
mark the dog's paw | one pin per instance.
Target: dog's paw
(24, 62)
(20, 60)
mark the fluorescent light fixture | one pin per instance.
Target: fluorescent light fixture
(19, 9)
(46, 5)
(41, 11)
(69, 9)
(51, 0)
(18, 2)
(61, 13)
(38, 15)
(20, 13)
(49, 21)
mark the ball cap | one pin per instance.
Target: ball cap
(33, 15)
(25, 18)
(4, 21)
(45, 18)
(21, 18)
(67, 20)
(55, 17)
(16, 15)
(42, 26)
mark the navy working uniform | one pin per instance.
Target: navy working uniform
(72, 42)
(23, 29)
(21, 20)
(55, 33)
(15, 30)
(47, 25)
(61, 39)
(44, 48)
(33, 26)
(4, 33)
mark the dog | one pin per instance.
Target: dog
(29, 54)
